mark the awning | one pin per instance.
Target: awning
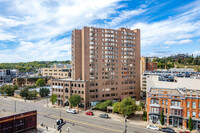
(155, 105)
(175, 107)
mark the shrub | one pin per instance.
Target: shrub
(103, 106)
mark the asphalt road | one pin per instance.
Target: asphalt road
(78, 123)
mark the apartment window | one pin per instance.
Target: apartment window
(166, 102)
(166, 111)
(82, 85)
(154, 101)
(188, 104)
(188, 113)
(194, 105)
(199, 105)
(66, 90)
(199, 115)
(163, 102)
(193, 114)
(175, 103)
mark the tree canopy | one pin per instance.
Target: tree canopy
(53, 98)
(44, 92)
(30, 66)
(8, 90)
(74, 100)
(162, 118)
(190, 124)
(40, 82)
(126, 107)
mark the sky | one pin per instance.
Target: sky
(40, 30)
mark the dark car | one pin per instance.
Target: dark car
(104, 116)
(168, 130)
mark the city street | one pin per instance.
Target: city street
(77, 123)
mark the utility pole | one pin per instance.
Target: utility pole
(47, 101)
(15, 106)
(125, 129)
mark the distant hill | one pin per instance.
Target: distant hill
(187, 62)
(30, 66)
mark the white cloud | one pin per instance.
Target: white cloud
(46, 19)
(165, 47)
(178, 42)
(124, 15)
(196, 53)
(183, 26)
(6, 36)
(41, 51)
(198, 40)
(35, 23)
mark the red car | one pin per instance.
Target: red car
(89, 113)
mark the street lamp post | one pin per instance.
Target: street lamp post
(125, 128)
(47, 101)
(15, 106)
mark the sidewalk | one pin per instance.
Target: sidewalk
(42, 129)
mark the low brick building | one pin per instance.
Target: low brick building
(177, 104)
(64, 88)
(30, 80)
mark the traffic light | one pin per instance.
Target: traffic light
(60, 123)
(59, 127)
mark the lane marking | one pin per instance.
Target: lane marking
(5, 104)
(75, 121)
(84, 123)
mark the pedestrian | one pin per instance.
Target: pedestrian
(54, 126)
(46, 128)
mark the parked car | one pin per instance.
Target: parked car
(169, 130)
(153, 127)
(89, 113)
(72, 111)
(104, 116)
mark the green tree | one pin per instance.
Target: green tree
(74, 100)
(40, 82)
(53, 98)
(127, 106)
(116, 107)
(162, 118)
(190, 124)
(32, 94)
(144, 116)
(103, 106)
(141, 106)
(8, 89)
(24, 93)
(44, 92)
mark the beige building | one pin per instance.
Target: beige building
(106, 62)
(58, 71)
(188, 83)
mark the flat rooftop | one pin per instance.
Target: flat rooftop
(175, 91)
(68, 79)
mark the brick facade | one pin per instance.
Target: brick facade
(177, 104)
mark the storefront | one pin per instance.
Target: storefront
(176, 121)
(196, 124)
(154, 118)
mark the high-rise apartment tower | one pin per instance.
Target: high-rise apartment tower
(105, 65)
